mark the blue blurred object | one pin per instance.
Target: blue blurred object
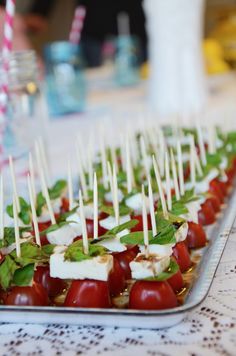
(127, 60)
(65, 82)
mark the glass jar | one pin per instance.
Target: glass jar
(25, 116)
(65, 82)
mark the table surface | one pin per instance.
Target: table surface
(208, 330)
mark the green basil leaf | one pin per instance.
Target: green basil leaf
(30, 253)
(40, 202)
(25, 211)
(57, 189)
(64, 216)
(48, 249)
(123, 210)
(127, 225)
(9, 235)
(171, 271)
(135, 238)
(76, 253)
(23, 276)
(7, 270)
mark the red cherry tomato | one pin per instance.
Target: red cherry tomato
(152, 295)
(53, 286)
(65, 205)
(214, 201)
(223, 186)
(43, 226)
(215, 189)
(206, 215)
(116, 279)
(176, 281)
(90, 224)
(33, 295)
(180, 252)
(139, 226)
(230, 172)
(196, 236)
(124, 258)
(88, 293)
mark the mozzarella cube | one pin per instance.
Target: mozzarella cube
(135, 203)
(142, 268)
(110, 222)
(95, 268)
(182, 232)
(62, 236)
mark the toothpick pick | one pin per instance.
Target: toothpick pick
(144, 156)
(44, 185)
(180, 168)
(70, 186)
(162, 151)
(175, 176)
(160, 188)
(83, 223)
(44, 159)
(95, 206)
(201, 145)
(104, 163)
(151, 207)
(129, 169)
(81, 174)
(198, 163)
(1, 208)
(16, 227)
(32, 175)
(33, 210)
(110, 178)
(115, 197)
(168, 186)
(113, 156)
(90, 164)
(211, 139)
(192, 161)
(13, 178)
(145, 223)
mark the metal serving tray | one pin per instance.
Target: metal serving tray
(218, 235)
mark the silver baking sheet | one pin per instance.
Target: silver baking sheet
(205, 270)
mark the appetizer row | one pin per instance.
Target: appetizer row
(124, 236)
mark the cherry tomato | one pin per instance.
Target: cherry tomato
(206, 215)
(180, 252)
(230, 172)
(215, 189)
(88, 293)
(223, 186)
(42, 227)
(176, 281)
(139, 226)
(196, 236)
(32, 295)
(90, 224)
(65, 205)
(214, 201)
(116, 279)
(53, 286)
(152, 295)
(124, 258)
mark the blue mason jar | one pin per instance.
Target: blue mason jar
(65, 82)
(127, 60)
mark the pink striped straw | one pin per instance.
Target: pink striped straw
(6, 50)
(77, 25)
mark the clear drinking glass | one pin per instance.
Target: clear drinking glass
(127, 60)
(65, 83)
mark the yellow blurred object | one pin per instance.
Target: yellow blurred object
(144, 70)
(225, 34)
(214, 57)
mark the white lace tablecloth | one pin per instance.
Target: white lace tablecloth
(208, 330)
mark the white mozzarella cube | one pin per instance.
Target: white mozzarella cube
(182, 232)
(110, 222)
(160, 250)
(113, 244)
(62, 236)
(142, 268)
(135, 203)
(95, 268)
